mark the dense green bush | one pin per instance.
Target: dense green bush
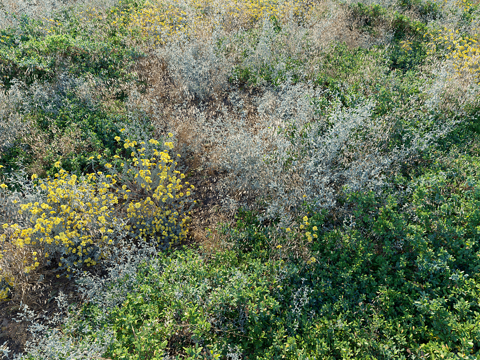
(64, 126)
(32, 52)
(408, 264)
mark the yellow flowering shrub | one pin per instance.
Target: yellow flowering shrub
(194, 16)
(462, 48)
(158, 200)
(81, 218)
(156, 20)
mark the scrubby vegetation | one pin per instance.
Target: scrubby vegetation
(239, 179)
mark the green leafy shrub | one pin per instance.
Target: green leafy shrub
(408, 264)
(342, 71)
(40, 49)
(422, 264)
(65, 122)
(369, 16)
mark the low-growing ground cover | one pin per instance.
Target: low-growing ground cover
(245, 179)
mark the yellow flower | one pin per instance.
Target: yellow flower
(34, 176)
(279, 246)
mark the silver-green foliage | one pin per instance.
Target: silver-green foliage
(293, 155)
(11, 125)
(195, 66)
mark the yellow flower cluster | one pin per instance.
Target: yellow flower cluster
(6, 282)
(308, 234)
(156, 19)
(73, 219)
(75, 225)
(465, 5)
(406, 45)
(298, 239)
(159, 215)
(4, 38)
(464, 50)
(193, 16)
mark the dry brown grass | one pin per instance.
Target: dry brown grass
(330, 23)
(164, 97)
